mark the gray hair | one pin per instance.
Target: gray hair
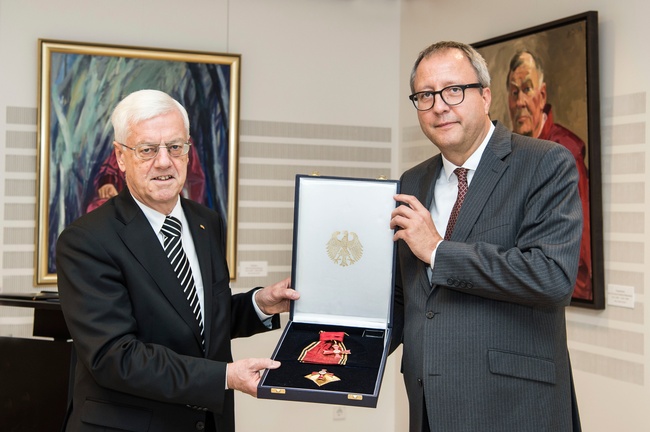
(477, 61)
(516, 61)
(143, 105)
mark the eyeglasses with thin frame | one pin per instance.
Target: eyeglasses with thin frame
(147, 151)
(450, 95)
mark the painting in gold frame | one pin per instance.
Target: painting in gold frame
(80, 84)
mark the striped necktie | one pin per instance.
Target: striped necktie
(174, 248)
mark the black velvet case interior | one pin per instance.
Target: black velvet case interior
(359, 374)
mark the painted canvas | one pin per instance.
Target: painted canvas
(80, 86)
(545, 84)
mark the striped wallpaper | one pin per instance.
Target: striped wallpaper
(610, 343)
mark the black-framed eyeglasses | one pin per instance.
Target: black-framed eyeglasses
(149, 151)
(450, 95)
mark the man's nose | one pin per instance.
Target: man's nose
(521, 99)
(439, 104)
(163, 157)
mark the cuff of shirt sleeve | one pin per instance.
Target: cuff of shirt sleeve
(433, 254)
(266, 319)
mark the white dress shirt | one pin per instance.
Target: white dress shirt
(157, 219)
(446, 189)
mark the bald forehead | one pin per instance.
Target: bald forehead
(525, 66)
(527, 60)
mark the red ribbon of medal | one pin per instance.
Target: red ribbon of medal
(328, 350)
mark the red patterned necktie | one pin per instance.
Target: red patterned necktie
(461, 173)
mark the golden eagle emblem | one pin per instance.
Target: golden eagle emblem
(345, 249)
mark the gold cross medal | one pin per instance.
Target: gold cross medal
(322, 377)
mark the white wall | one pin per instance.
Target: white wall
(329, 63)
(312, 61)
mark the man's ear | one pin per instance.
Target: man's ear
(542, 94)
(487, 99)
(119, 155)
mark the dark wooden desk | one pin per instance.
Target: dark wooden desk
(48, 318)
(35, 373)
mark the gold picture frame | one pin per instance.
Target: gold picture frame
(80, 84)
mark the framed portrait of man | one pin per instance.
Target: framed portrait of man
(545, 84)
(81, 83)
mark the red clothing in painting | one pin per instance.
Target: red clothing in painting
(559, 134)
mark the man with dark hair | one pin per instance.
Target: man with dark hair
(488, 236)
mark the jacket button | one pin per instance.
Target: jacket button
(200, 425)
(451, 281)
(430, 314)
(420, 381)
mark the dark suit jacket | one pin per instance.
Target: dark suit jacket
(140, 364)
(486, 346)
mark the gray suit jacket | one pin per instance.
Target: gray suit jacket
(486, 347)
(140, 363)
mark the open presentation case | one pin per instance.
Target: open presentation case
(343, 266)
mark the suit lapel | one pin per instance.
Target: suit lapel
(427, 185)
(487, 175)
(426, 197)
(140, 239)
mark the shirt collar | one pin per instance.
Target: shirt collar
(157, 219)
(472, 162)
